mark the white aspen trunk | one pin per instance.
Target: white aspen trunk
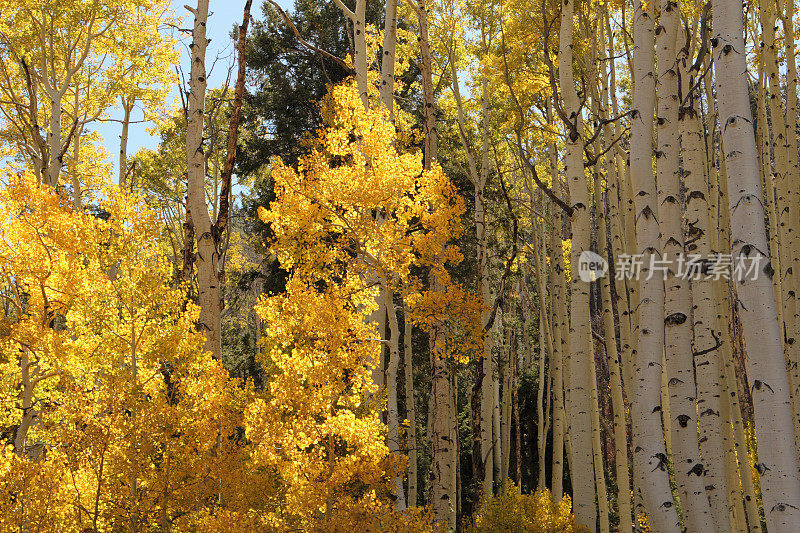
(787, 197)
(681, 387)
(54, 141)
(497, 444)
(580, 335)
(617, 201)
(509, 358)
(709, 371)
(411, 410)
(76, 182)
(736, 475)
(444, 471)
(207, 256)
(393, 413)
(771, 402)
(787, 17)
(557, 281)
(615, 379)
(487, 456)
(443, 497)
(388, 57)
(650, 454)
(455, 471)
(597, 453)
(127, 107)
(28, 385)
(429, 123)
(545, 338)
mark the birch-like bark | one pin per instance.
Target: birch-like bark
(786, 187)
(649, 454)
(127, 107)
(597, 453)
(580, 335)
(206, 256)
(557, 278)
(544, 326)
(388, 57)
(689, 467)
(615, 379)
(778, 463)
(709, 371)
(411, 410)
(443, 496)
(393, 414)
(358, 18)
(509, 359)
(787, 12)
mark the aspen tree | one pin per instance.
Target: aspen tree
(357, 18)
(778, 461)
(580, 335)
(207, 255)
(678, 348)
(546, 336)
(388, 57)
(615, 373)
(705, 346)
(508, 359)
(649, 454)
(393, 415)
(787, 12)
(557, 281)
(443, 467)
(479, 174)
(788, 222)
(411, 410)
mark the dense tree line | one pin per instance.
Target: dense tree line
(416, 266)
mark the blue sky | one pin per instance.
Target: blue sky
(223, 15)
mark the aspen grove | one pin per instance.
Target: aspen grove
(401, 265)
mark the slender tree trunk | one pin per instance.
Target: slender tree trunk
(778, 461)
(443, 496)
(393, 414)
(559, 350)
(388, 57)
(597, 452)
(580, 334)
(207, 255)
(411, 410)
(650, 454)
(509, 360)
(127, 107)
(615, 379)
(689, 467)
(54, 140)
(710, 375)
(544, 326)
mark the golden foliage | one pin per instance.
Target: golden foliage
(525, 513)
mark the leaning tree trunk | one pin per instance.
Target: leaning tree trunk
(778, 463)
